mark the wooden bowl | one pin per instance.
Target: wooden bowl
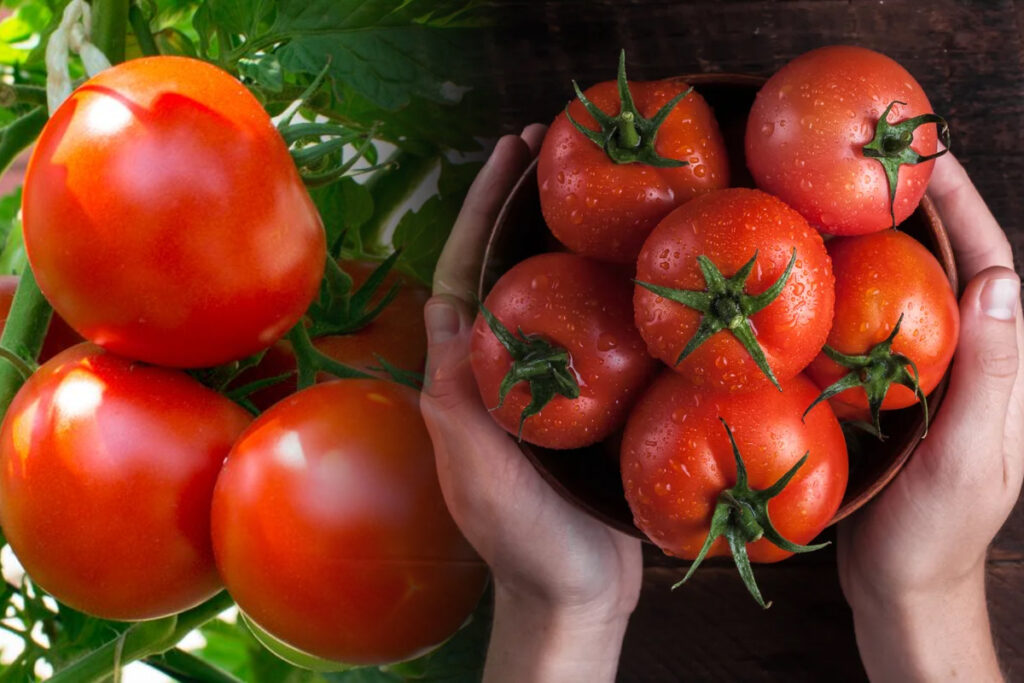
(589, 477)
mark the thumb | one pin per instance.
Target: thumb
(985, 366)
(449, 377)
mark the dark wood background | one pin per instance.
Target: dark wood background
(969, 57)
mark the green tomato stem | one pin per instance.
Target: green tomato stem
(109, 26)
(142, 639)
(140, 27)
(23, 334)
(187, 666)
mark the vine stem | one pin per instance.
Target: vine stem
(109, 26)
(142, 639)
(23, 334)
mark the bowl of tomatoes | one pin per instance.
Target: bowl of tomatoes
(650, 407)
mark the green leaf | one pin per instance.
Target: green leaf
(421, 235)
(344, 207)
(12, 256)
(264, 70)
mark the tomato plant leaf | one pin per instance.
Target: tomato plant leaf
(264, 70)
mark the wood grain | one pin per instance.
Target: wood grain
(969, 57)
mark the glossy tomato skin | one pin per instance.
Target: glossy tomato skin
(676, 460)
(728, 226)
(397, 334)
(330, 530)
(808, 125)
(165, 220)
(604, 210)
(584, 307)
(878, 278)
(107, 469)
(59, 336)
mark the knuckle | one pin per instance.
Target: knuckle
(999, 362)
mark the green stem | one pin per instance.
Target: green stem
(109, 26)
(140, 27)
(19, 93)
(16, 136)
(186, 666)
(629, 136)
(142, 639)
(23, 334)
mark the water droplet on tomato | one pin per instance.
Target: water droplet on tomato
(540, 282)
(721, 362)
(700, 171)
(767, 129)
(806, 184)
(575, 216)
(591, 202)
(560, 177)
(679, 415)
(662, 488)
(606, 342)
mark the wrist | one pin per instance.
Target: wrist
(539, 640)
(934, 633)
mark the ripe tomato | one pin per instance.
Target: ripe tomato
(397, 334)
(604, 208)
(58, 337)
(570, 321)
(107, 469)
(164, 218)
(720, 347)
(807, 131)
(330, 530)
(677, 460)
(883, 279)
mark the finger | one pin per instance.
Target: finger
(533, 136)
(458, 268)
(972, 422)
(977, 239)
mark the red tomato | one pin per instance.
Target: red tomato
(880, 277)
(604, 209)
(330, 530)
(58, 337)
(729, 227)
(807, 131)
(575, 315)
(165, 220)
(397, 334)
(677, 460)
(107, 469)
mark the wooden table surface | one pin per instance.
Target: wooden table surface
(968, 57)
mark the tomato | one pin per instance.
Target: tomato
(107, 469)
(578, 362)
(677, 460)
(164, 218)
(807, 132)
(330, 530)
(883, 279)
(719, 348)
(396, 334)
(58, 337)
(602, 200)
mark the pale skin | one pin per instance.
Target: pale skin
(911, 563)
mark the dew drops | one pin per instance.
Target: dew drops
(606, 342)
(575, 217)
(721, 362)
(700, 171)
(767, 129)
(540, 282)
(560, 177)
(806, 184)
(591, 202)
(679, 415)
(662, 488)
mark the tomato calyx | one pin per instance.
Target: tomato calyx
(545, 366)
(891, 146)
(741, 516)
(340, 310)
(627, 137)
(726, 306)
(875, 371)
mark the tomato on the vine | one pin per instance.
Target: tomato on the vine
(621, 157)
(844, 135)
(59, 336)
(895, 329)
(164, 218)
(681, 478)
(330, 530)
(107, 470)
(734, 289)
(396, 334)
(555, 353)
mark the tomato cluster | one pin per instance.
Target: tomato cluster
(167, 224)
(731, 447)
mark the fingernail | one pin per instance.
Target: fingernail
(999, 298)
(442, 321)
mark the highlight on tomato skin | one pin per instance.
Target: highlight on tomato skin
(807, 131)
(208, 254)
(330, 530)
(107, 470)
(676, 460)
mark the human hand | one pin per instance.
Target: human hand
(912, 563)
(565, 583)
